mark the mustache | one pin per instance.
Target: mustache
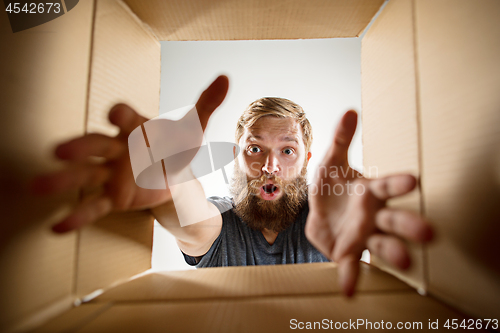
(257, 183)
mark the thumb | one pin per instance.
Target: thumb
(211, 98)
(126, 118)
(337, 153)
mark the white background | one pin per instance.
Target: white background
(322, 75)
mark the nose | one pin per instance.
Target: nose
(271, 165)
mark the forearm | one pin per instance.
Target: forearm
(188, 216)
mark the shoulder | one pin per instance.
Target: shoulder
(223, 204)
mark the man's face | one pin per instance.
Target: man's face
(270, 173)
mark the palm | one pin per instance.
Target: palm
(126, 194)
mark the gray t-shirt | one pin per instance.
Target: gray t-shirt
(239, 245)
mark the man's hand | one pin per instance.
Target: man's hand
(114, 173)
(348, 212)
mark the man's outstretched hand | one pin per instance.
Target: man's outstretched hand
(348, 212)
(114, 173)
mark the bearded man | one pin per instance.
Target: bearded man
(264, 222)
(273, 217)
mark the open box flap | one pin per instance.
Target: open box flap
(459, 75)
(250, 299)
(43, 89)
(273, 314)
(255, 19)
(430, 75)
(249, 281)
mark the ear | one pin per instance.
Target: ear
(234, 152)
(308, 156)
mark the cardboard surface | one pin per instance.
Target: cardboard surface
(43, 89)
(255, 19)
(125, 68)
(390, 120)
(114, 249)
(458, 47)
(73, 319)
(251, 281)
(250, 299)
(271, 314)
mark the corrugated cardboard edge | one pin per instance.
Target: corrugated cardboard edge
(363, 32)
(425, 267)
(139, 21)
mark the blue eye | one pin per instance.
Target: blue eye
(288, 151)
(254, 149)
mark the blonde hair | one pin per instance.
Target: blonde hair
(275, 107)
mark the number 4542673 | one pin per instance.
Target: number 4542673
(471, 324)
(34, 8)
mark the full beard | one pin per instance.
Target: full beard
(276, 215)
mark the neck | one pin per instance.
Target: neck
(269, 235)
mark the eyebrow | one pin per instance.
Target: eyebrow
(285, 138)
(290, 139)
(253, 137)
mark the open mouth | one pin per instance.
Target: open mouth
(269, 192)
(269, 188)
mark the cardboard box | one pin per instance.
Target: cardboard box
(430, 107)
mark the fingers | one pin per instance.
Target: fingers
(93, 144)
(86, 212)
(337, 154)
(121, 187)
(389, 248)
(392, 186)
(70, 179)
(211, 98)
(348, 274)
(321, 237)
(125, 118)
(404, 224)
